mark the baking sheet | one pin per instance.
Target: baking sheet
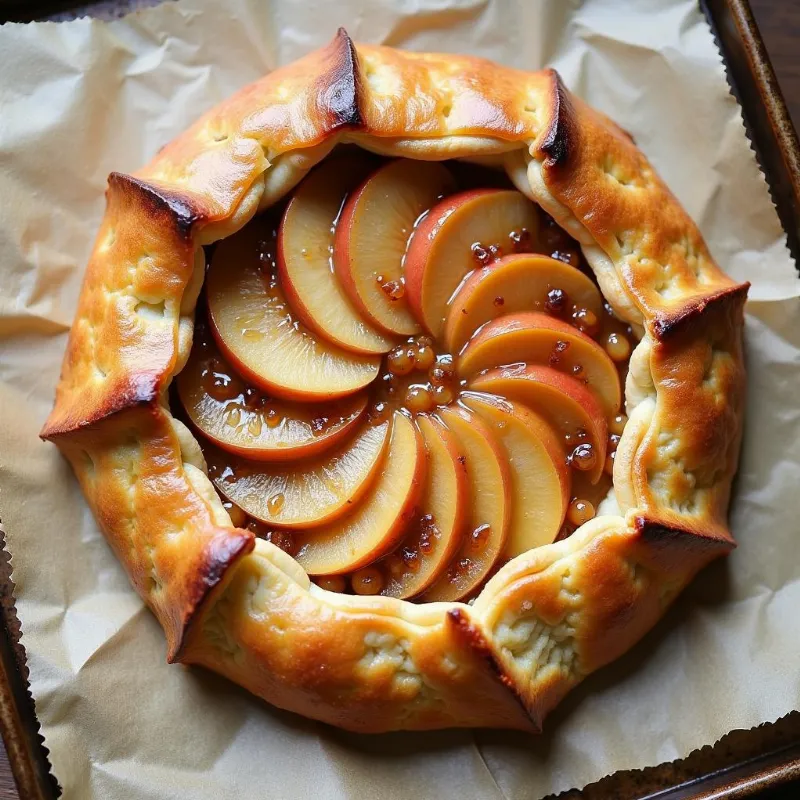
(82, 98)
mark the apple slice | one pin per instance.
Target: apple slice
(429, 546)
(457, 235)
(531, 337)
(241, 420)
(539, 474)
(372, 235)
(306, 493)
(376, 525)
(490, 513)
(259, 336)
(565, 402)
(516, 283)
(305, 247)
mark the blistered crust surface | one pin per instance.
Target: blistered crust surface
(122, 342)
(174, 547)
(363, 664)
(246, 609)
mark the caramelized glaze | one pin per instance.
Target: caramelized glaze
(417, 377)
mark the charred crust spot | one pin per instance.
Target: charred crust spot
(221, 552)
(691, 318)
(661, 537)
(559, 141)
(159, 203)
(223, 549)
(136, 391)
(469, 633)
(472, 637)
(476, 641)
(342, 85)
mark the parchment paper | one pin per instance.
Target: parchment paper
(82, 98)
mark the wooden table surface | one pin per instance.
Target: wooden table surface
(779, 21)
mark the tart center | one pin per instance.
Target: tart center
(405, 377)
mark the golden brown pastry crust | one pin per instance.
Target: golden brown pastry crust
(246, 609)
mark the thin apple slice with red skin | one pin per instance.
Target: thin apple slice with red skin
(490, 483)
(443, 249)
(376, 525)
(305, 493)
(515, 283)
(429, 545)
(258, 335)
(565, 402)
(304, 255)
(539, 474)
(531, 337)
(372, 236)
(241, 420)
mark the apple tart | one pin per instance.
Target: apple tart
(404, 390)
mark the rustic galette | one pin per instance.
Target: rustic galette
(404, 390)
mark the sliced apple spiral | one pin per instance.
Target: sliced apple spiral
(306, 493)
(460, 233)
(468, 400)
(490, 509)
(258, 333)
(372, 237)
(564, 401)
(540, 476)
(244, 421)
(305, 253)
(531, 337)
(376, 525)
(517, 283)
(435, 536)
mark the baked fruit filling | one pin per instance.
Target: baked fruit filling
(405, 376)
